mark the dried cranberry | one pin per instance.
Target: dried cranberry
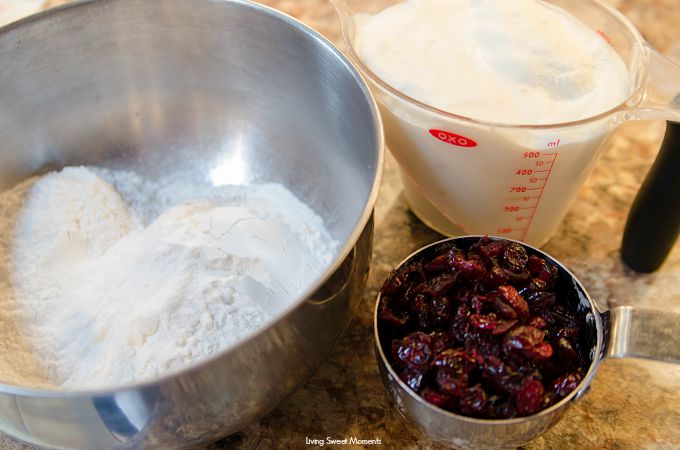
(477, 302)
(515, 257)
(484, 342)
(523, 337)
(519, 278)
(500, 376)
(565, 352)
(395, 281)
(402, 278)
(495, 277)
(491, 323)
(510, 295)
(414, 350)
(436, 398)
(538, 322)
(569, 332)
(457, 360)
(539, 301)
(444, 261)
(473, 401)
(566, 321)
(566, 384)
(439, 285)
(451, 382)
(431, 312)
(420, 310)
(489, 248)
(503, 309)
(534, 285)
(503, 327)
(462, 295)
(441, 311)
(444, 247)
(486, 323)
(470, 269)
(541, 351)
(541, 269)
(392, 316)
(506, 410)
(440, 341)
(413, 378)
(529, 397)
(461, 323)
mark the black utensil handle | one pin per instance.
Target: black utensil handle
(654, 220)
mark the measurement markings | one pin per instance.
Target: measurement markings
(551, 164)
(517, 205)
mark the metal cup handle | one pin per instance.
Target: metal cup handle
(642, 333)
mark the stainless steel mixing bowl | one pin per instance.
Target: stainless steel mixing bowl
(227, 91)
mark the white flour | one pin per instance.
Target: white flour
(107, 279)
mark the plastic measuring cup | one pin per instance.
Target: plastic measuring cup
(517, 181)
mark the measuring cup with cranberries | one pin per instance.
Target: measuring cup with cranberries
(483, 342)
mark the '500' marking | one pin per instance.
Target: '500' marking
(453, 138)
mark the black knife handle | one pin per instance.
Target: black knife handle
(654, 220)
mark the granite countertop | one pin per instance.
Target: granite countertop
(633, 404)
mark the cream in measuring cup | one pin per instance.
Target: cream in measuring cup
(494, 109)
(519, 61)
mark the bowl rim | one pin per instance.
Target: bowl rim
(577, 393)
(341, 254)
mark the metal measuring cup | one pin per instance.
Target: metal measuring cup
(618, 333)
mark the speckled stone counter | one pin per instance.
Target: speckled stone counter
(633, 404)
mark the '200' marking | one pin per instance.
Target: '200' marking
(453, 138)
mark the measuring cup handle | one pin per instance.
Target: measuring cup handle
(660, 97)
(641, 333)
(654, 219)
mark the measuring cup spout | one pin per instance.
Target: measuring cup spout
(661, 91)
(639, 333)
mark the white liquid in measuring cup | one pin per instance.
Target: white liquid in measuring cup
(513, 183)
(513, 62)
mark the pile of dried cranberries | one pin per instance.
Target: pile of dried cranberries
(482, 331)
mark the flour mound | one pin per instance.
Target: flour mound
(104, 289)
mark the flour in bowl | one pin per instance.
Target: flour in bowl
(108, 279)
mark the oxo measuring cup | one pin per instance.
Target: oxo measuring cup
(618, 333)
(518, 181)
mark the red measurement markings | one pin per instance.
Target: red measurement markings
(525, 206)
(549, 163)
(604, 36)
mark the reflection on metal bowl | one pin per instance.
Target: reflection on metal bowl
(227, 91)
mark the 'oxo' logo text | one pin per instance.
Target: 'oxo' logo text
(453, 139)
